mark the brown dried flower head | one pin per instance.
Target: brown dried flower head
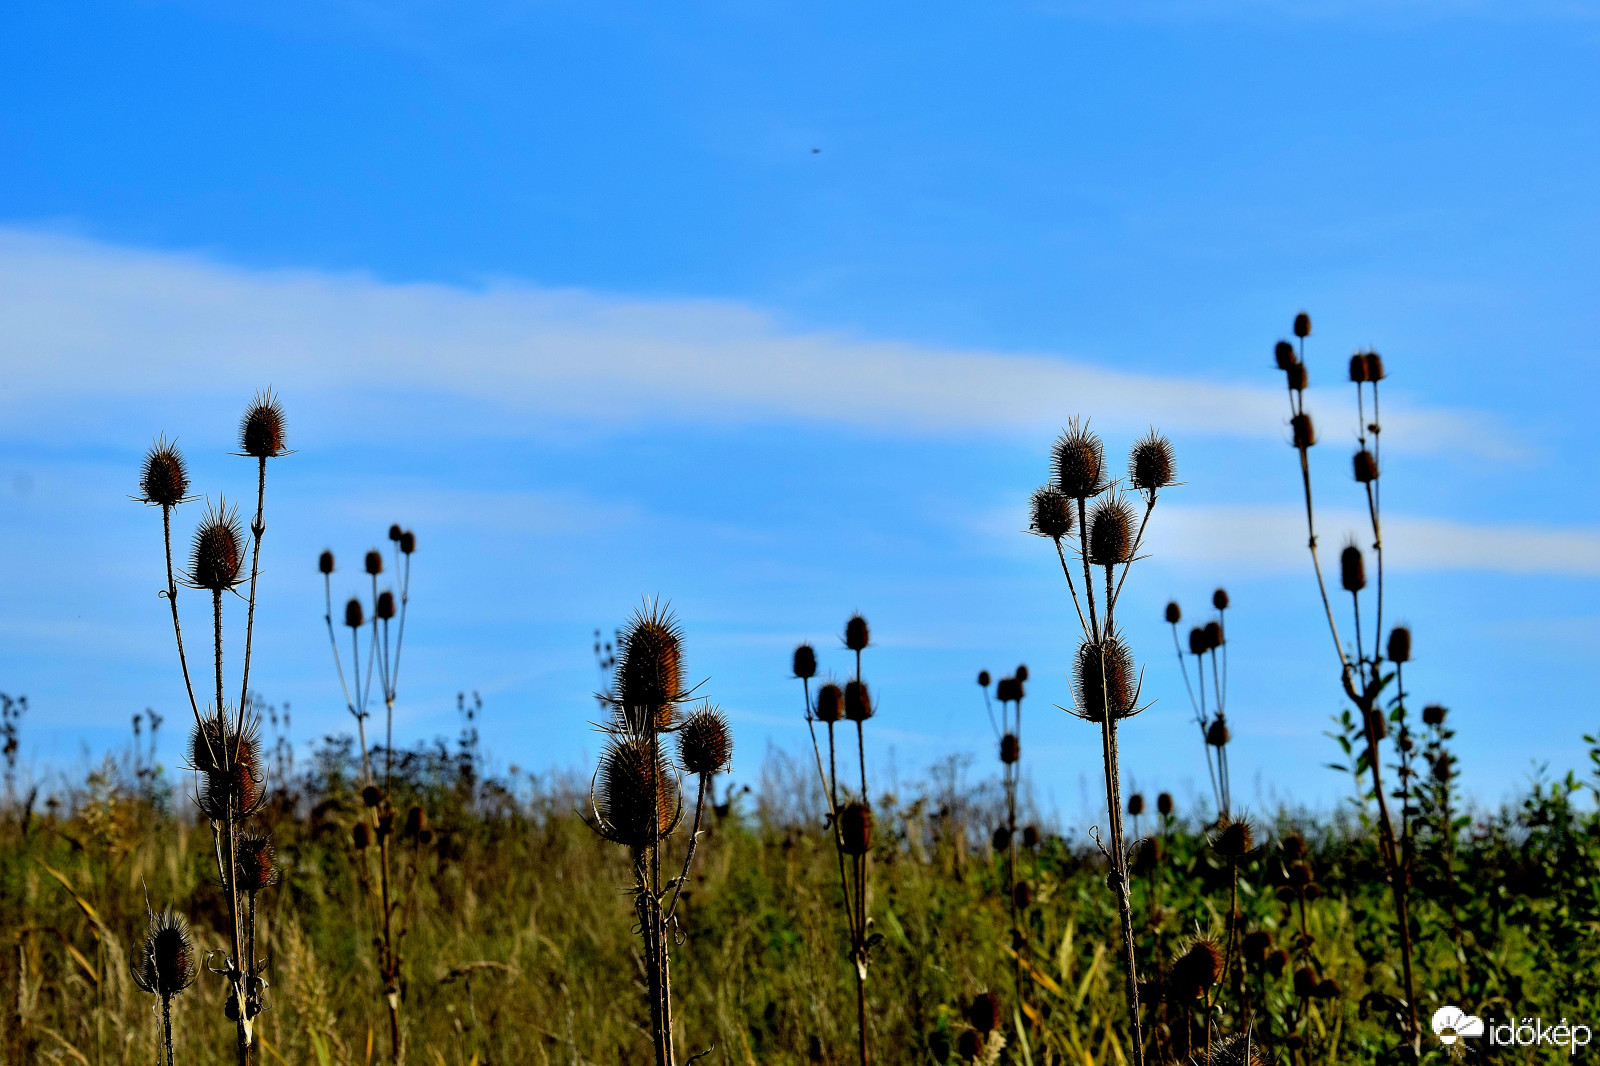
(1174, 613)
(256, 862)
(1111, 532)
(1196, 970)
(1297, 377)
(637, 796)
(1010, 748)
(1030, 836)
(650, 670)
(354, 617)
(1240, 1049)
(1374, 363)
(1400, 644)
(1433, 714)
(408, 543)
(856, 634)
(230, 768)
(385, 605)
(1217, 734)
(1235, 841)
(855, 828)
(1219, 599)
(1294, 847)
(1215, 638)
(1151, 465)
(1077, 462)
(216, 561)
(164, 480)
(1365, 466)
(984, 1012)
(805, 661)
(1164, 804)
(416, 821)
(1103, 672)
(1008, 690)
(325, 562)
(1283, 354)
(1352, 569)
(983, 679)
(361, 836)
(1305, 982)
(857, 701)
(166, 962)
(1022, 895)
(1198, 645)
(1358, 367)
(830, 703)
(1255, 945)
(1302, 325)
(1050, 513)
(395, 532)
(371, 796)
(705, 743)
(1303, 433)
(1000, 840)
(1136, 804)
(374, 562)
(261, 428)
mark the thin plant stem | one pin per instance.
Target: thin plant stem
(257, 528)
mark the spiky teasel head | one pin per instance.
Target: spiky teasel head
(1235, 840)
(1352, 569)
(855, 828)
(830, 703)
(1294, 847)
(1217, 734)
(261, 430)
(1358, 368)
(1010, 749)
(1298, 377)
(1198, 645)
(1240, 1049)
(1374, 363)
(1215, 638)
(1111, 523)
(1302, 325)
(256, 862)
(216, 560)
(361, 836)
(983, 1013)
(416, 821)
(1050, 514)
(325, 563)
(229, 764)
(1077, 462)
(705, 743)
(1000, 839)
(1164, 804)
(1196, 970)
(395, 532)
(983, 679)
(856, 634)
(384, 608)
(1255, 945)
(1365, 466)
(1008, 690)
(1219, 599)
(805, 662)
(857, 701)
(1433, 714)
(1136, 804)
(374, 562)
(636, 797)
(1151, 465)
(164, 479)
(166, 962)
(1174, 613)
(408, 543)
(1400, 644)
(1104, 681)
(1283, 354)
(1302, 433)
(1306, 982)
(1030, 836)
(354, 616)
(650, 670)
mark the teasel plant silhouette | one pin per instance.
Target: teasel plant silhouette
(1363, 672)
(1107, 536)
(225, 747)
(636, 796)
(1009, 693)
(1209, 639)
(165, 965)
(850, 819)
(384, 616)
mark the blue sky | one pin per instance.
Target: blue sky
(570, 290)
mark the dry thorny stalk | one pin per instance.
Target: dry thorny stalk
(1362, 673)
(1008, 735)
(386, 618)
(1106, 688)
(1209, 639)
(849, 820)
(224, 750)
(636, 797)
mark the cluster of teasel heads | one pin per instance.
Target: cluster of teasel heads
(383, 615)
(1009, 693)
(849, 814)
(224, 747)
(1106, 535)
(637, 794)
(1209, 640)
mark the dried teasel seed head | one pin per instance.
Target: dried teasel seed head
(1294, 847)
(395, 532)
(1327, 988)
(1235, 841)
(984, 1012)
(1174, 613)
(1197, 641)
(1444, 768)
(354, 616)
(1105, 685)
(1283, 354)
(230, 767)
(1148, 857)
(1008, 690)
(1400, 644)
(1365, 466)
(164, 479)
(1050, 513)
(1021, 672)
(1313, 892)
(1151, 464)
(1302, 432)
(650, 671)
(1302, 325)
(805, 661)
(855, 828)
(1240, 1049)
(416, 821)
(1297, 377)
(969, 1045)
(1352, 569)
(325, 562)
(857, 701)
(216, 561)
(261, 428)
(1197, 969)
(408, 543)
(1030, 836)
(1215, 638)
(1433, 714)
(1219, 599)
(983, 679)
(1255, 945)
(1001, 838)
(830, 703)
(705, 743)
(1164, 804)
(856, 634)
(1010, 748)
(1276, 962)
(385, 605)
(1136, 804)
(256, 862)
(1305, 982)
(1380, 724)
(1022, 895)
(1299, 874)
(1077, 462)
(637, 796)
(374, 562)
(1358, 368)
(166, 962)
(1217, 734)
(1111, 525)
(361, 836)
(1374, 363)
(371, 796)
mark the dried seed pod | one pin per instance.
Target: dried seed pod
(374, 562)
(216, 561)
(371, 796)
(1277, 962)
(1197, 969)
(856, 634)
(1303, 433)
(637, 797)
(1008, 690)
(1358, 368)
(1297, 377)
(984, 1012)
(1400, 644)
(1151, 465)
(325, 562)
(1136, 804)
(855, 828)
(650, 671)
(705, 743)
(1148, 857)
(395, 532)
(1077, 462)
(1328, 988)
(361, 836)
(1021, 673)
(416, 821)
(1374, 363)
(1305, 982)
(1240, 1049)
(1283, 355)
(385, 606)
(1219, 599)
(1433, 714)
(1299, 874)
(261, 428)
(983, 679)
(1365, 467)
(1030, 836)
(166, 962)
(1313, 892)
(1050, 513)
(229, 765)
(1022, 895)
(1214, 636)
(1217, 734)
(969, 1045)
(1105, 684)
(1302, 325)
(805, 661)
(1111, 525)
(1174, 613)
(1379, 724)
(1294, 847)
(255, 861)
(1010, 748)
(1000, 840)
(164, 480)
(1352, 569)
(1294, 1041)
(857, 701)
(1444, 768)
(830, 703)
(1254, 946)
(1164, 804)
(1198, 644)
(354, 616)
(1235, 841)
(408, 543)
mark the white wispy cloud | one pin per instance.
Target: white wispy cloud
(82, 319)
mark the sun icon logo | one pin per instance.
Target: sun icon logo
(1452, 1023)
